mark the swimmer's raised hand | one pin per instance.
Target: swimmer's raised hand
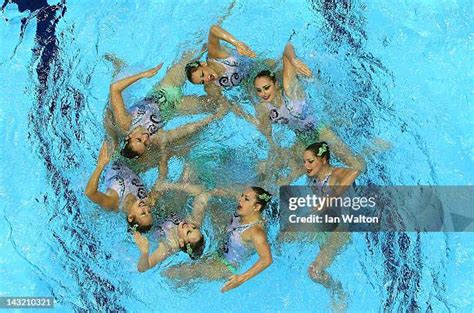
(152, 72)
(142, 242)
(301, 68)
(243, 49)
(104, 155)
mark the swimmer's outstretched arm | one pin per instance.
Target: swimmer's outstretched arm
(294, 174)
(163, 166)
(155, 192)
(197, 104)
(261, 122)
(213, 90)
(104, 200)
(222, 18)
(121, 116)
(233, 192)
(200, 200)
(191, 128)
(342, 151)
(191, 189)
(345, 178)
(160, 187)
(176, 75)
(147, 261)
(249, 118)
(199, 208)
(215, 50)
(186, 130)
(259, 240)
(265, 125)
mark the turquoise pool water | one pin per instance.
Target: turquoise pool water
(401, 71)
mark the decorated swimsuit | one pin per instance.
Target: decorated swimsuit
(234, 251)
(124, 181)
(167, 100)
(166, 228)
(320, 187)
(293, 113)
(237, 68)
(147, 115)
(164, 99)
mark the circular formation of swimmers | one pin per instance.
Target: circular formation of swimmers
(136, 142)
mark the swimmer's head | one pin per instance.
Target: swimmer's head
(265, 85)
(136, 143)
(139, 215)
(200, 73)
(252, 201)
(191, 240)
(263, 197)
(315, 157)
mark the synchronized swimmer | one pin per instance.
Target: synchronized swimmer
(136, 141)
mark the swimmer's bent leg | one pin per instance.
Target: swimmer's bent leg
(317, 270)
(332, 247)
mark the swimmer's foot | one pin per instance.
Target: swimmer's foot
(340, 122)
(262, 168)
(382, 145)
(338, 299)
(379, 145)
(338, 296)
(117, 63)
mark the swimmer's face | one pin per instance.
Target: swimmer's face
(139, 140)
(141, 213)
(203, 75)
(189, 233)
(265, 88)
(248, 203)
(312, 163)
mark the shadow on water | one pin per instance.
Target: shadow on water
(402, 260)
(56, 131)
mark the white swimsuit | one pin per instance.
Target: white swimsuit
(294, 113)
(124, 181)
(147, 115)
(237, 68)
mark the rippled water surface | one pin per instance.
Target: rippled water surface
(401, 71)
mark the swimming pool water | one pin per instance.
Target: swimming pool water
(401, 71)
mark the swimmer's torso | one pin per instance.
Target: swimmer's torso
(124, 182)
(237, 68)
(320, 187)
(147, 115)
(293, 113)
(234, 250)
(167, 230)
